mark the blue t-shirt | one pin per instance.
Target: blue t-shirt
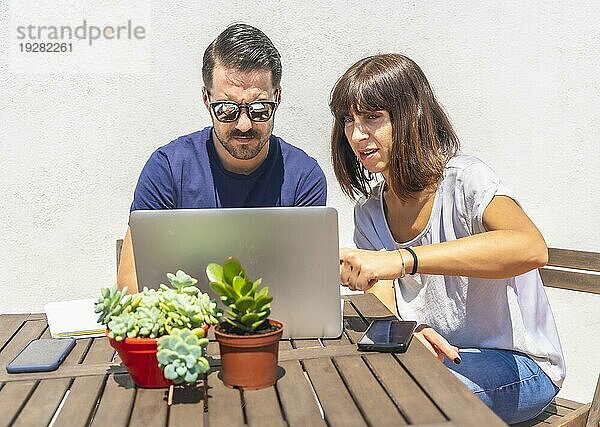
(187, 173)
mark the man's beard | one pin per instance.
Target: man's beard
(245, 151)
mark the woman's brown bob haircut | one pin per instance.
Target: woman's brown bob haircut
(423, 136)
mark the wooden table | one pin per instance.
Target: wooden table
(323, 382)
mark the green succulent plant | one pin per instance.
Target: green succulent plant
(122, 326)
(150, 322)
(173, 313)
(183, 310)
(249, 307)
(181, 355)
(113, 302)
(182, 283)
(153, 313)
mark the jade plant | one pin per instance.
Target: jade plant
(249, 307)
(175, 314)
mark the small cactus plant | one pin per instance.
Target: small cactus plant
(181, 355)
(249, 307)
(175, 314)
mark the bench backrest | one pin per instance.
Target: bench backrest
(573, 270)
(577, 271)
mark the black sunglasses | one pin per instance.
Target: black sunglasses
(229, 111)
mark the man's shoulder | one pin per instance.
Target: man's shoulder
(187, 142)
(291, 153)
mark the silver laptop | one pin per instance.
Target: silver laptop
(294, 250)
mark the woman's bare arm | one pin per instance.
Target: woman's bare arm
(512, 245)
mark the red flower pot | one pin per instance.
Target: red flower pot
(249, 361)
(139, 356)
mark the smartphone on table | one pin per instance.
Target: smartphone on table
(41, 355)
(391, 336)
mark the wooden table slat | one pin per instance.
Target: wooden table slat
(43, 403)
(337, 403)
(81, 402)
(450, 395)
(354, 325)
(75, 356)
(224, 404)
(116, 402)
(12, 398)
(70, 371)
(369, 303)
(413, 402)
(88, 369)
(285, 345)
(443, 424)
(97, 362)
(212, 348)
(149, 408)
(10, 324)
(296, 395)
(305, 343)
(343, 340)
(338, 342)
(100, 351)
(374, 402)
(29, 331)
(262, 408)
(188, 406)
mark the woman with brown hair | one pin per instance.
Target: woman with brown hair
(462, 253)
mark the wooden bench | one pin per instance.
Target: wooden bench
(574, 271)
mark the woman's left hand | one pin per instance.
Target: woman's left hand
(360, 269)
(437, 344)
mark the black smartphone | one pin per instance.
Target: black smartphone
(387, 335)
(41, 355)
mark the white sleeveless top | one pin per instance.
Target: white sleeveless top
(512, 314)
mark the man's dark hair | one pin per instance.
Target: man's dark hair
(244, 48)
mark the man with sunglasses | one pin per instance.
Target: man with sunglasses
(236, 162)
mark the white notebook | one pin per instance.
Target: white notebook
(75, 319)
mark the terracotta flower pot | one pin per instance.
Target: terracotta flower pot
(139, 356)
(249, 361)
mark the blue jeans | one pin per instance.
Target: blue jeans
(510, 383)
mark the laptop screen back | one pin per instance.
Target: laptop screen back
(294, 250)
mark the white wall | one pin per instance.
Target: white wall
(519, 80)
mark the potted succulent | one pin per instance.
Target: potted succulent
(160, 334)
(248, 339)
